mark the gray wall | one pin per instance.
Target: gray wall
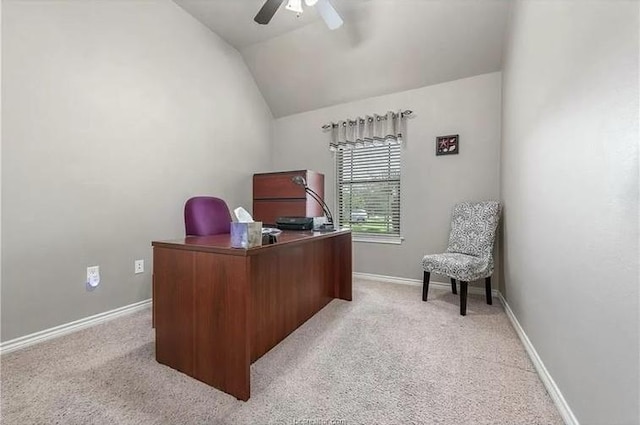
(430, 185)
(114, 112)
(570, 187)
(0, 166)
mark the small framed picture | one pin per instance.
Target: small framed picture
(447, 145)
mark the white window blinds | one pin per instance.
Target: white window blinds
(369, 190)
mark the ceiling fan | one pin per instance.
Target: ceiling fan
(325, 9)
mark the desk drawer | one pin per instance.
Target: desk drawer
(268, 211)
(277, 185)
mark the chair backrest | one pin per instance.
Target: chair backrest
(206, 215)
(473, 228)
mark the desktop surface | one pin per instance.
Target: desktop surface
(222, 243)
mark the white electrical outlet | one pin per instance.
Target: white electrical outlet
(138, 266)
(93, 276)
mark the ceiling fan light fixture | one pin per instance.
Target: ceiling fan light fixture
(294, 6)
(324, 8)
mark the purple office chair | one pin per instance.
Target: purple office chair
(206, 215)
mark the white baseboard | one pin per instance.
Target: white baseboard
(548, 382)
(67, 328)
(417, 282)
(554, 392)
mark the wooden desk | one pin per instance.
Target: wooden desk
(218, 309)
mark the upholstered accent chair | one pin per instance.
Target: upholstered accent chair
(206, 215)
(469, 255)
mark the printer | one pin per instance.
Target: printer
(295, 223)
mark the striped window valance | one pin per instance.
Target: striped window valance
(370, 130)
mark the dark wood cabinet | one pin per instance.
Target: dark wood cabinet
(275, 195)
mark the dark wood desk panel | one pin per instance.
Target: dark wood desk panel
(173, 310)
(221, 338)
(342, 269)
(197, 295)
(218, 309)
(289, 286)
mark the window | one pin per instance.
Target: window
(368, 181)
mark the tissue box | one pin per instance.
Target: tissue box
(246, 235)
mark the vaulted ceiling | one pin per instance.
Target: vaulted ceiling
(384, 46)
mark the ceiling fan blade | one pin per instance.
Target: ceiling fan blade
(267, 11)
(329, 14)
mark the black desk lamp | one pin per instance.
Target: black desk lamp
(299, 180)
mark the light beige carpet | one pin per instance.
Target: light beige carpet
(385, 358)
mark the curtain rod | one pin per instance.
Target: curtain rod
(405, 113)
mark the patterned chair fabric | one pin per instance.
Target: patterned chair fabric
(469, 255)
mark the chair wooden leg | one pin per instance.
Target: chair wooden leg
(425, 285)
(453, 286)
(487, 289)
(463, 298)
